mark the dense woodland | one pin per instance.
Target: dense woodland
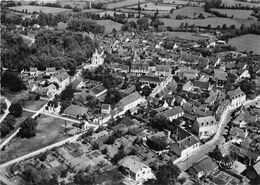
(60, 49)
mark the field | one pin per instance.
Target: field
(153, 6)
(34, 105)
(44, 9)
(123, 3)
(249, 42)
(109, 25)
(241, 14)
(190, 11)
(184, 35)
(214, 22)
(49, 130)
(234, 3)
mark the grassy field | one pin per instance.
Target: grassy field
(249, 42)
(34, 105)
(124, 3)
(234, 3)
(109, 25)
(49, 130)
(153, 6)
(31, 9)
(190, 12)
(214, 22)
(182, 2)
(184, 35)
(241, 14)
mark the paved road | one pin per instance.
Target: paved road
(187, 161)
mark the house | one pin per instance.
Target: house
(33, 71)
(51, 90)
(221, 77)
(98, 58)
(162, 70)
(130, 101)
(75, 111)
(98, 92)
(188, 73)
(136, 170)
(174, 113)
(242, 73)
(185, 147)
(237, 97)
(140, 68)
(201, 85)
(188, 86)
(205, 126)
(50, 71)
(62, 79)
(105, 109)
(145, 79)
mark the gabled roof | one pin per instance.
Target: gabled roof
(129, 99)
(140, 66)
(33, 69)
(98, 89)
(105, 106)
(162, 68)
(50, 69)
(220, 75)
(173, 112)
(150, 79)
(133, 165)
(236, 93)
(187, 142)
(61, 76)
(201, 85)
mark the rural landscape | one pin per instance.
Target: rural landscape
(130, 92)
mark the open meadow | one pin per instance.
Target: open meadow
(124, 3)
(185, 35)
(34, 105)
(190, 12)
(153, 6)
(234, 3)
(44, 9)
(241, 14)
(214, 22)
(249, 42)
(49, 130)
(109, 25)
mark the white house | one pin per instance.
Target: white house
(185, 147)
(162, 70)
(237, 97)
(136, 170)
(62, 79)
(105, 109)
(130, 101)
(188, 86)
(174, 113)
(205, 126)
(98, 92)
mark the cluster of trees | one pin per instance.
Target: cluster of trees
(212, 4)
(59, 49)
(12, 81)
(7, 125)
(166, 174)
(28, 128)
(76, 24)
(82, 178)
(156, 143)
(33, 175)
(113, 96)
(120, 155)
(16, 110)
(107, 79)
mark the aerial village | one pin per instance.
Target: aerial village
(144, 108)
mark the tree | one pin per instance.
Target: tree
(12, 81)
(146, 91)
(233, 26)
(201, 16)
(209, 26)
(28, 128)
(143, 23)
(224, 27)
(67, 93)
(7, 125)
(64, 173)
(82, 179)
(120, 155)
(16, 109)
(168, 174)
(157, 144)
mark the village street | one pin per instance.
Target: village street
(186, 162)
